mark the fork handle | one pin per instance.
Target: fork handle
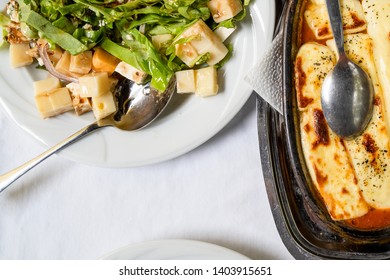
(8, 178)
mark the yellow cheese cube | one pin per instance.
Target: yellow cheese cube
(54, 55)
(224, 9)
(60, 100)
(131, 73)
(81, 63)
(102, 61)
(54, 102)
(44, 106)
(18, 55)
(103, 105)
(185, 81)
(94, 84)
(206, 81)
(42, 87)
(63, 65)
(205, 41)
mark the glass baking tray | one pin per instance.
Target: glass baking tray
(302, 220)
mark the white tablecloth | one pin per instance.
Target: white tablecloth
(66, 210)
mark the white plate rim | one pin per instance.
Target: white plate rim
(76, 151)
(173, 249)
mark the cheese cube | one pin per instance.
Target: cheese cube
(103, 105)
(54, 55)
(206, 81)
(185, 81)
(80, 104)
(54, 102)
(63, 65)
(103, 61)
(187, 53)
(42, 87)
(18, 55)
(81, 63)
(205, 41)
(159, 41)
(223, 32)
(44, 106)
(224, 9)
(94, 84)
(130, 72)
(60, 100)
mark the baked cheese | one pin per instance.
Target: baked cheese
(312, 63)
(378, 27)
(316, 15)
(369, 153)
(325, 153)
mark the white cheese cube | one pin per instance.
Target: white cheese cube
(223, 32)
(187, 53)
(18, 55)
(42, 87)
(81, 63)
(185, 81)
(224, 9)
(94, 84)
(206, 81)
(103, 105)
(160, 40)
(205, 41)
(130, 72)
(80, 104)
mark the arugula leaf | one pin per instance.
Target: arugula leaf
(54, 34)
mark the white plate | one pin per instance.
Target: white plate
(174, 250)
(189, 121)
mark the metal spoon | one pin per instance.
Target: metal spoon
(137, 106)
(347, 92)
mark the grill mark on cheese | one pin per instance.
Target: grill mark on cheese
(320, 128)
(320, 177)
(377, 101)
(307, 128)
(369, 143)
(300, 83)
(356, 22)
(323, 31)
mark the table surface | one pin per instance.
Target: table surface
(66, 210)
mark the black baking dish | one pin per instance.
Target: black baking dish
(300, 216)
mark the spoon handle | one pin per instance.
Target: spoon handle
(336, 22)
(8, 178)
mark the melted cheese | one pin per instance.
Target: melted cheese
(317, 18)
(313, 62)
(369, 153)
(325, 154)
(378, 27)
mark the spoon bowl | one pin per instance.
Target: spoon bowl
(347, 93)
(137, 106)
(347, 99)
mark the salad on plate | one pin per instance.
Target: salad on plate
(88, 45)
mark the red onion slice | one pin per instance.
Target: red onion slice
(42, 49)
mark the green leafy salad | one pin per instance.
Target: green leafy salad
(86, 43)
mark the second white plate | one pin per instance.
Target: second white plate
(174, 249)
